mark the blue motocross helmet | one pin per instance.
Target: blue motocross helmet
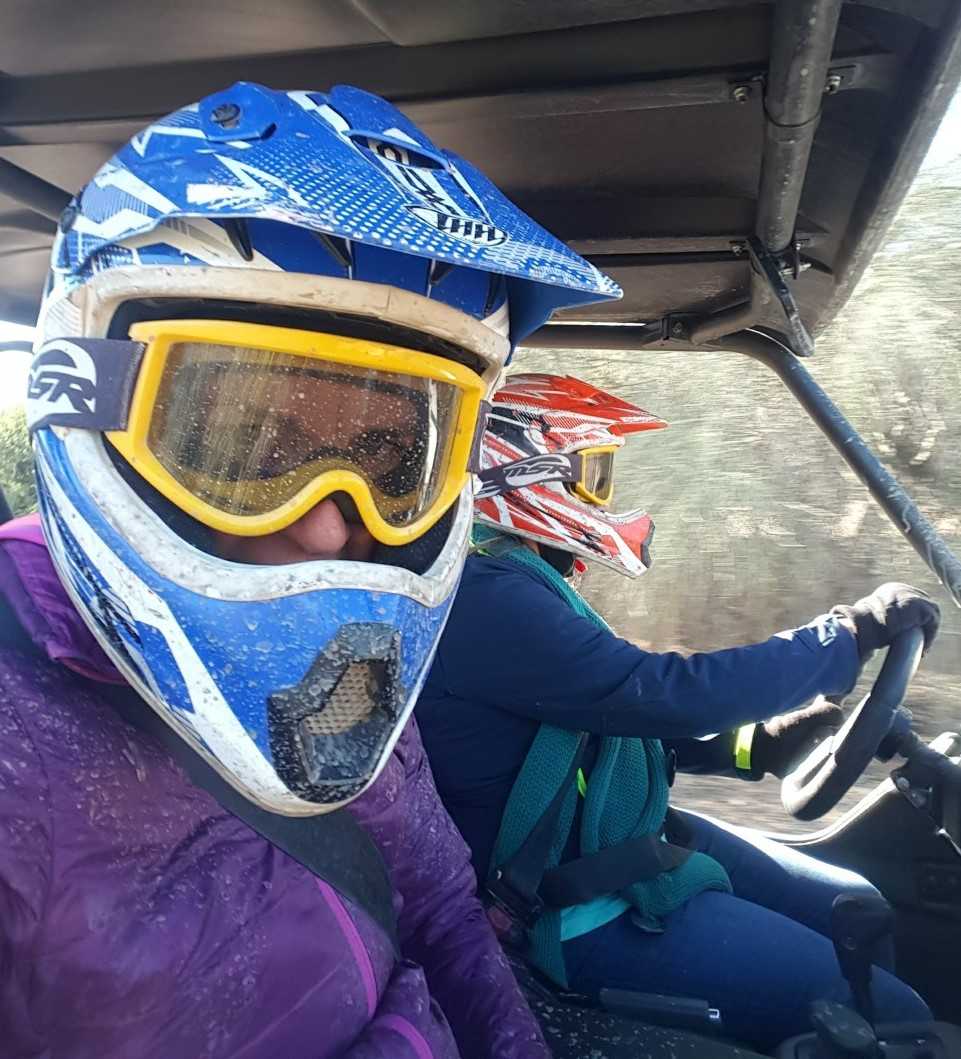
(262, 301)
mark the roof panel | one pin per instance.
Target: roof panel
(621, 133)
(50, 36)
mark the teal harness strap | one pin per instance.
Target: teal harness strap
(626, 794)
(535, 787)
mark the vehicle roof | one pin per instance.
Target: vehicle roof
(633, 130)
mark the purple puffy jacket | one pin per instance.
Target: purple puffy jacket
(138, 919)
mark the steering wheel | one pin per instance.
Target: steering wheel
(833, 767)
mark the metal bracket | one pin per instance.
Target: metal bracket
(768, 267)
(677, 327)
(918, 796)
(838, 79)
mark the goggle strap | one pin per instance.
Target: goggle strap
(83, 382)
(532, 470)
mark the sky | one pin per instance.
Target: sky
(943, 155)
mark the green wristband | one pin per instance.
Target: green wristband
(742, 747)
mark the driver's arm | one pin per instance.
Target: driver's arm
(516, 645)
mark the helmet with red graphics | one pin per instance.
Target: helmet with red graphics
(547, 464)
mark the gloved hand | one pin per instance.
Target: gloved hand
(889, 610)
(780, 743)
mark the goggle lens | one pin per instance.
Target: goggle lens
(597, 475)
(245, 430)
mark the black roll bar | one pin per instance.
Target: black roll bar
(801, 43)
(31, 191)
(890, 495)
(770, 349)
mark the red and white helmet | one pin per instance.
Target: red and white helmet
(547, 469)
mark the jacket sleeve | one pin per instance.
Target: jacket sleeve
(25, 858)
(515, 645)
(442, 925)
(711, 756)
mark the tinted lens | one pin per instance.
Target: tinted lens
(245, 430)
(598, 474)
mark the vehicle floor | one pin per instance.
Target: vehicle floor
(576, 1033)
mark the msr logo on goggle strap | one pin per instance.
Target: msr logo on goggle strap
(532, 470)
(480, 233)
(63, 379)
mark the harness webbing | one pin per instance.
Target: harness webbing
(621, 837)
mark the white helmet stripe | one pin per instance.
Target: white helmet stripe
(213, 720)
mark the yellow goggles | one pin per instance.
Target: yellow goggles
(246, 427)
(595, 482)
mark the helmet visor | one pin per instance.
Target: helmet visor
(248, 435)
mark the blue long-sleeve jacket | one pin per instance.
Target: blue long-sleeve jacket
(514, 655)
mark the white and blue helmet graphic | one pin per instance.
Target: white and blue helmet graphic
(325, 210)
(345, 164)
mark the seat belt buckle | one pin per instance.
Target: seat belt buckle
(511, 914)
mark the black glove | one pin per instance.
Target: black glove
(780, 743)
(888, 611)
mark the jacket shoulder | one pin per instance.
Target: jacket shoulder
(485, 574)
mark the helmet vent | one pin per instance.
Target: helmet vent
(328, 732)
(354, 698)
(400, 151)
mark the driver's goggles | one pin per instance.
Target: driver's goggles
(246, 427)
(587, 473)
(595, 481)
